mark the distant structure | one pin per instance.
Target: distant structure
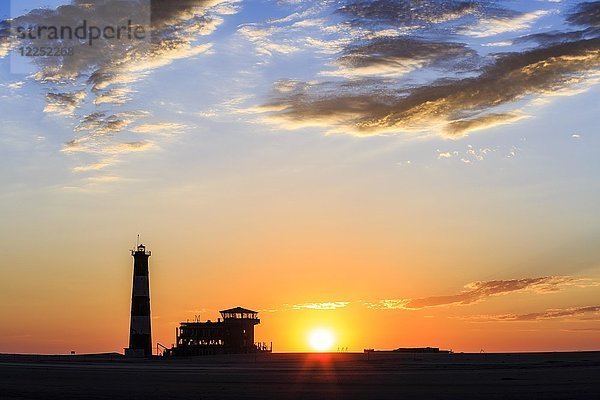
(419, 350)
(140, 334)
(233, 333)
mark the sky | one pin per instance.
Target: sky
(400, 173)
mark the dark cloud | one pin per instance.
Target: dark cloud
(450, 103)
(400, 54)
(407, 12)
(101, 124)
(587, 13)
(64, 103)
(584, 14)
(553, 38)
(105, 73)
(428, 77)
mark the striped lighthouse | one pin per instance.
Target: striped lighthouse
(140, 334)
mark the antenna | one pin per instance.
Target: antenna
(138, 241)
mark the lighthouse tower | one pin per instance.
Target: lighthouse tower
(140, 335)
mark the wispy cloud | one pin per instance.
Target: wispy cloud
(478, 291)
(502, 24)
(390, 304)
(107, 149)
(473, 154)
(332, 305)
(93, 167)
(486, 121)
(562, 314)
(164, 128)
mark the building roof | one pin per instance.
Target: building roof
(239, 310)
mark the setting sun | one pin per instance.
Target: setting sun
(321, 339)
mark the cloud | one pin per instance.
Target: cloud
(501, 24)
(64, 103)
(409, 12)
(447, 106)
(101, 124)
(586, 13)
(562, 314)
(408, 66)
(164, 128)
(321, 306)
(388, 304)
(395, 56)
(98, 82)
(473, 154)
(93, 167)
(14, 85)
(387, 66)
(462, 127)
(473, 293)
(264, 41)
(104, 179)
(478, 291)
(111, 148)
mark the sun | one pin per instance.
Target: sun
(321, 339)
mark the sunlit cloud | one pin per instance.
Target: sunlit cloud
(163, 128)
(97, 83)
(111, 148)
(262, 38)
(13, 85)
(93, 167)
(99, 124)
(501, 24)
(472, 154)
(386, 67)
(390, 304)
(561, 314)
(332, 305)
(478, 291)
(463, 127)
(64, 103)
(104, 178)
(450, 108)
(397, 78)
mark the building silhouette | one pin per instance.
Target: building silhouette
(233, 333)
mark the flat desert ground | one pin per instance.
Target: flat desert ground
(305, 376)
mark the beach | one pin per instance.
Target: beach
(305, 376)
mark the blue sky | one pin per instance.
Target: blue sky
(255, 50)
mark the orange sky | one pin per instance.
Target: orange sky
(403, 180)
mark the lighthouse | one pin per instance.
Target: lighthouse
(140, 334)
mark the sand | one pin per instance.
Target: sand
(305, 376)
